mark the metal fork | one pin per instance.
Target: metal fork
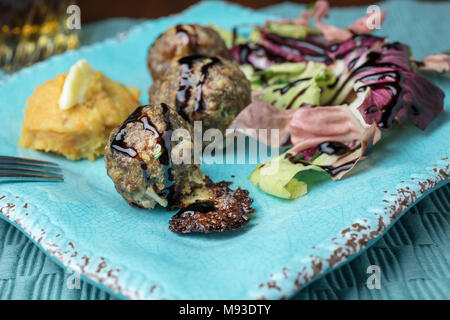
(22, 170)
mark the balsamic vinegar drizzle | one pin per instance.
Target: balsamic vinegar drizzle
(317, 52)
(396, 103)
(165, 158)
(332, 171)
(332, 147)
(290, 85)
(199, 107)
(203, 207)
(245, 50)
(286, 88)
(234, 37)
(358, 39)
(163, 140)
(328, 147)
(380, 76)
(390, 110)
(334, 47)
(310, 51)
(301, 92)
(185, 86)
(119, 140)
(314, 51)
(186, 83)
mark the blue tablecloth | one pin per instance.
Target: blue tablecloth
(414, 256)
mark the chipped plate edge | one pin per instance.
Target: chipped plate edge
(281, 284)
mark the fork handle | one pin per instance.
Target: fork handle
(28, 178)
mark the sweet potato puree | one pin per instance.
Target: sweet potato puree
(81, 131)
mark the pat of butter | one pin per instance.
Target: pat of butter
(75, 84)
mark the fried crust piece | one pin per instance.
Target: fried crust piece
(225, 210)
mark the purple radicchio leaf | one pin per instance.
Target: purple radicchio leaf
(273, 49)
(313, 48)
(341, 50)
(256, 55)
(397, 93)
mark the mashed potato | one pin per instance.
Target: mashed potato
(82, 130)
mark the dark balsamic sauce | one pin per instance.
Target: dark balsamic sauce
(290, 85)
(245, 50)
(334, 148)
(199, 106)
(163, 140)
(371, 109)
(334, 171)
(352, 63)
(390, 110)
(380, 76)
(358, 42)
(361, 37)
(300, 93)
(119, 140)
(334, 84)
(120, 145)
(394, 46)
(329, 147)
(310, 51)
(418, 63)
(286, 88)
(234, 37)
(396, 103)
(186, 83)
(334, 47)
(165, 158)
(202, 207)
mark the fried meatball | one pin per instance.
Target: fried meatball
(182, 40)
(138, 158)
(208, 89)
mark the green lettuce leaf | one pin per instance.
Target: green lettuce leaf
(290, 85)
(290, 30)
(227, 36)
(284, 179)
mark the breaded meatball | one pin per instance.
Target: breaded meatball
(182, 40)
(138, 158)
(208, 89)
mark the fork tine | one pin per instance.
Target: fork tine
(30, 171)
(27, 165)
(4, 159)
(23, 169)
(29, 177)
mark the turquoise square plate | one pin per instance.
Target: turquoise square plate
(84, 225)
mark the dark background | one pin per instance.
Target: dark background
(94, 10)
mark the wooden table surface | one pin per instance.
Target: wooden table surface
(95, 10)
(102, 9)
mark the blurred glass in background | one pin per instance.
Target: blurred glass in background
(34, 30)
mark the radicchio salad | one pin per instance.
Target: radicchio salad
(330, 91)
